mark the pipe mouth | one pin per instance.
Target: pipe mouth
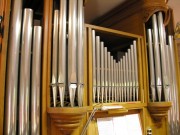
(73, 85)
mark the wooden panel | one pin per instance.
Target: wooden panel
(3, 55)
(131, 15)
(47, 25)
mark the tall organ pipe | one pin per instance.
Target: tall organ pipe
(109, 76)
(133, 73)
(102, 70)
(24, 91)
(62, 51)
(12, 69)
(55, 56)
(157, 57)
(174, 90)
(151, 63)
(94, 64)
(72, 50)
(80, 53)
(163, 55)
(112, 79)
(98, 66)
(106, 72)
(130, 74)
(36, 73)
(136, 70)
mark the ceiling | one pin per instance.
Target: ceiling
(96, 8)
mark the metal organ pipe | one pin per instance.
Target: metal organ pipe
(94, 64)
(24, 90)
(106, 72)
(80, 52)
(151, 62)
(36, 83)
(55, 56)
(157, 57)
(102, 70)
(12, 68)
(162, 52)
(62, 51)
(98, 66)
(72, 50)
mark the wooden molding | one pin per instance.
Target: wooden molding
(65, 120)
(159, 110)
(145, 8)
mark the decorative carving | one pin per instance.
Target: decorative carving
(148, 12)
(159, 110)
(65, 120)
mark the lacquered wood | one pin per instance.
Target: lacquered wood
(65, 120)
(47, 29)
(3, 58)
(159, 110)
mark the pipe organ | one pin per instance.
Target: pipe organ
(162, 75)
(60, 75)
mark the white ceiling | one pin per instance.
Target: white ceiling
(97, 8)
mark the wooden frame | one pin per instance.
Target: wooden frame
(140, 50)
(3, 57)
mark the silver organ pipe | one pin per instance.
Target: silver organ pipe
(36, 84)
(102, 70)
(151, 63)
(136, 71)
(12, 68)
(62, 51)
(72, 50)
(174, 92)
(130, 74)
(106, 73)
(124, 80)
(163, 55)
(157, 57)
(55, 57)
(98, 67)
(121, 76)
(133, 73)
(127, 76)
(112, 79)
(24, 90)
(80, 53)
(94, 64)
(109, 76)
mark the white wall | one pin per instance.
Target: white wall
(175, 5)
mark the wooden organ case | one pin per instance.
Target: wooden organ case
(130, 21)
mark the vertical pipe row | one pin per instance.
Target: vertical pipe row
(12, 68)
(114, 81)
(162, 70)
(70, 68)
(27, 75)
